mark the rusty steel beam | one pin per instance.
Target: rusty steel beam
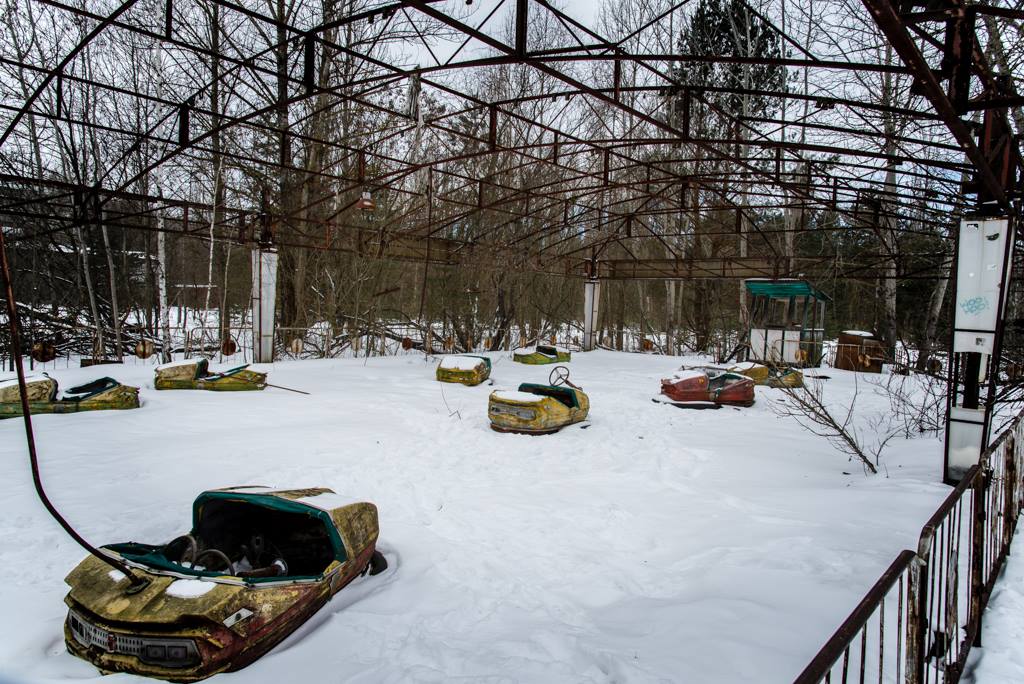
(739, 268)
(893, 27)
(57, 70)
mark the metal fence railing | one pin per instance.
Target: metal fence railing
(933, 598)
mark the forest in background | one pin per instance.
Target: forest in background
(95, 288)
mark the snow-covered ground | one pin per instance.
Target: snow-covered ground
(655, 545)
(1000, 658)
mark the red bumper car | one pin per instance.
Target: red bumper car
(707, 389)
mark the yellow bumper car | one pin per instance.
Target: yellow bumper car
(539, 409)
(256, 565)
(42, 394)
(464, 369)
(194, 374)
(767, 376)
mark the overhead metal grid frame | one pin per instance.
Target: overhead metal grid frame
(598, 153)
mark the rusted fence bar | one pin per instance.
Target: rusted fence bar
(841, 652)
(942, 588)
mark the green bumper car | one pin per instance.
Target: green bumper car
(42, 393)
(195, 374)
(256, 565)
(542, 354)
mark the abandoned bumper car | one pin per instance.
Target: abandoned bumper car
(195, 374)
(464, 369)
(766, 376)
(705, 388)
(256, 565)
(42, 394)
(542, 354)
(539, 409)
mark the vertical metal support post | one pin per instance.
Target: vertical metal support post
(981, 484)
(168, 19)
(972, 385)
(309, 64)
(686, 114)
(264, 293)
(492, 127)
(591, 305)
(522, 20)
(617, 79)
(917, 616)
(1009, 503)
(184, 110)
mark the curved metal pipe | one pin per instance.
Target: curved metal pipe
(137, 583)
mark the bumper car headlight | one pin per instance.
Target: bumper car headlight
(171, 653)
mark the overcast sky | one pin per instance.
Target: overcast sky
(584, 11)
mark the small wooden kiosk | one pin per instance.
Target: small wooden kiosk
(859, 351)
(787, 322)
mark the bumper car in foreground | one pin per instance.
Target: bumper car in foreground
(542, 354)
(256, 565)
(539, 409)
(195, 374)
(98, 395)
(707, 389)
(464, 369)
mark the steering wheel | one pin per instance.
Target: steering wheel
(217, 553)
(560, 376)
(189, 552)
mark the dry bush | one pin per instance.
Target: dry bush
(865, 444)
(917, 402)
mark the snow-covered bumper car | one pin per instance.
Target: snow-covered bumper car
(464, 369)
(767, 376)
(195, 374)
(542, 354)
(785, 377)
(256, 565)
(42, 394)
(704, 388)
(539, 409)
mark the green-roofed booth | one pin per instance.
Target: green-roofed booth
(787, 322)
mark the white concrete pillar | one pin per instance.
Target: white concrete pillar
(591, 303)
(264, 295)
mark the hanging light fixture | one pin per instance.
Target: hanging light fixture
(365, 202)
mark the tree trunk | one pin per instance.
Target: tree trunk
(929, 342)
(99, 344)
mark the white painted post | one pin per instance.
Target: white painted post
(984, 255)
(591, 303)
(161, 277)
(264, 293)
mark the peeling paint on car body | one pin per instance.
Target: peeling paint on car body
(231, 625)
